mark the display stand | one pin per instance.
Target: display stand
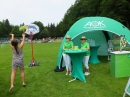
(120, 64)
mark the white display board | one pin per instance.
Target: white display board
(127, 88)
(91, 42)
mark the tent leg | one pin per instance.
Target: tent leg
(72, 80)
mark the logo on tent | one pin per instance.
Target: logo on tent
(95, 24)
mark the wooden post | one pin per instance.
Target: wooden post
(32, 52)
(31, 38)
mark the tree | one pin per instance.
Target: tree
(41, 28)
(5, 28)
(52, 30)
(118, 10)
(2, 30)
(45, 33)
(15, 30)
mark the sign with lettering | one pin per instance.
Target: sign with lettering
(95, 24)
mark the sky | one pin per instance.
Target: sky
(28, 11)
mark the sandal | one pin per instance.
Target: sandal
(66, 73)
(11, 89)
(24, 85)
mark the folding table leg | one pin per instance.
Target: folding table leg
(72, 80)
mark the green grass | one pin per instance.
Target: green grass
(42, 81)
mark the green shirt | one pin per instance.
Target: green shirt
(86, 45)
(68, 45)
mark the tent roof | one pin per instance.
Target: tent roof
(98, 23)
(92, 24)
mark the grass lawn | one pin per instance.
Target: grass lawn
(42, 81)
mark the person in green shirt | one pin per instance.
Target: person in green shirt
(85, 46)
(68, 45)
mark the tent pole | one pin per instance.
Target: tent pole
(32, 52)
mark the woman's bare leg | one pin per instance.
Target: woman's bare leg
(23, 76)
(12, 79)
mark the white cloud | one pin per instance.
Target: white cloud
(27, 11)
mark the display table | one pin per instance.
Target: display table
(77, 59)
(120, 64)
(93, 57)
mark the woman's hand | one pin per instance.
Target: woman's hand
(65, 49)
(12, 34)
(12, 37)
(23, 34)
(83, 49)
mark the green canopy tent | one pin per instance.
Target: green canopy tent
(99, 29)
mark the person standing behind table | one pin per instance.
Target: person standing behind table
(85, 46)
(68, 45)
(17, 61)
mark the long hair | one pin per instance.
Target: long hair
(15, 44)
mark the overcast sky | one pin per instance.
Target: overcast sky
(28, 11)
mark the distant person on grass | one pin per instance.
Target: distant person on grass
(2, 44)
(85, 46)
(17, 60)
(68, 45)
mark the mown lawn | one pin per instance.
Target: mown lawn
(42, 81)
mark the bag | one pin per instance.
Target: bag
(59, 70)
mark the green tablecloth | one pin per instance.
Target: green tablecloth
(93, 58)
(77, 58)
